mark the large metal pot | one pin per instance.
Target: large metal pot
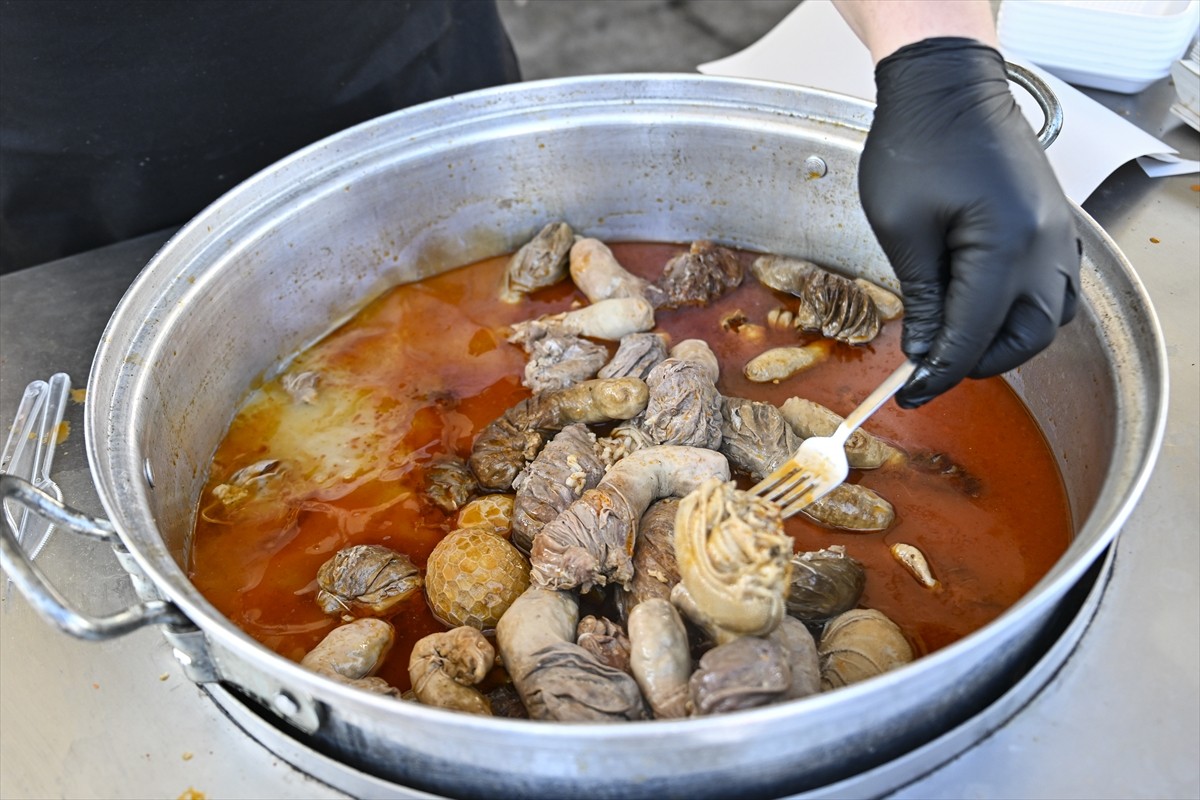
(269, 267)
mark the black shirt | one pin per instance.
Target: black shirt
(122, 117)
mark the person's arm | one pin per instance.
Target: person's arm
(885, 26)
(960, 195)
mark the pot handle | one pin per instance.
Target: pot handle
(1047, 101)
(46, 601)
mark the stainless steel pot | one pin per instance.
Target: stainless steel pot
(265, 270)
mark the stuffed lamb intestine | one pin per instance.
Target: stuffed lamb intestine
(590, 543)
(606, 319)
(353, 653)
(684, 407)
(655, 570)
(557, 361)
(597, 273)
(555, 677)
(503, 448)
(565, 468)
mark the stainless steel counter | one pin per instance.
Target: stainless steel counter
(1120, 719)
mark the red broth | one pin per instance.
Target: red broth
(423, 368)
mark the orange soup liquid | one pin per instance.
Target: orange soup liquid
(423, 368)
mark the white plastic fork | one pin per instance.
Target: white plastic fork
(29, 453)
(820, 464)
(35, 531)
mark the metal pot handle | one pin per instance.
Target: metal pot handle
(1047, 101)
(46, 601)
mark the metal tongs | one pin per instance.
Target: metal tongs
(29, 454)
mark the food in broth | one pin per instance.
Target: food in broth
(530, 474)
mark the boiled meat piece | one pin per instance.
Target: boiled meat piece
(565, 468)
(684, 406)
(636, 355)
(655, 571)
(556, 678)
(540, 262)
(591, 542)
(557, 361)
(745, 673)
(504, 447)
(699, 276)
(449, 483)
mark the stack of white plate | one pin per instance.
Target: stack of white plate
(1118, 45)
(1186, 74)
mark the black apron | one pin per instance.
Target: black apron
(123, 117)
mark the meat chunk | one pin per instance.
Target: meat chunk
(699, 276)
(684, 406)
(366, 580)
(556, 678)
(745, 673)
(636, 355)
(591, 542)
(504, 447)
(450, 483)
(557, 361)
(540, 262)
(563, 470)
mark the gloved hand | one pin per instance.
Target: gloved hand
(966, 207)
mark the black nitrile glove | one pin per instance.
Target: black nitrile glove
(968, 211)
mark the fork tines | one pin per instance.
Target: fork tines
(788, 487)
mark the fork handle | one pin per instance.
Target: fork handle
(874, 400)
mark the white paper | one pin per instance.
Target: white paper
(813, 46)
(1160, 166)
